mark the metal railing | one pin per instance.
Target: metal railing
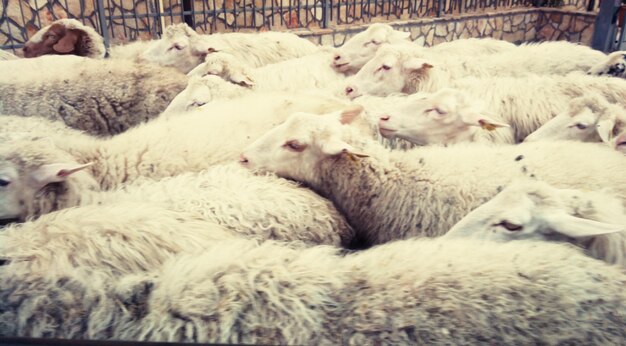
(127, 20)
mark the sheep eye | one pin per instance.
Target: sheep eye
(4, 183)
(294, 145)
(581, 126)
(177, 47)
(510, 226)
(386, 67)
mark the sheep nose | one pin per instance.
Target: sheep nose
(349, 90)
(337, 57)
(385, 117)
(243, 160)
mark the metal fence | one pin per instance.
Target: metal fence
(127, 20)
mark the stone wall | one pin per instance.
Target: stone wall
(525, 25)
(20, 19)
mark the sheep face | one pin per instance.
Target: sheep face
(614, 65)
(34, 182)
(535, 210)
(294, 148)
(588, 119)
(55, 39)
(175, 49)
(225, 66)
(362, 46)
(387, 73)
(444, 117)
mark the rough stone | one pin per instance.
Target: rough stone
(441, 30)
(518, 19)
(530, 35)
(507, 26)
(430, 36)
(545, 33)
(327, 40)
(420, 40)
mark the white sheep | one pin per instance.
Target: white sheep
(202, 90)
(311, 72)
(114, 239)
(425, 191)
(614, 65)
(447, 116)
(14, 127)
(408, 292)
(534, 210)
(257, 49)
(101, 97)
(528, 102)
(589, 119)
(226, 195)
(362, 47)
(64, 169)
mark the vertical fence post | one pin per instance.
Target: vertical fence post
(439, 4)
(326, 8)
(103, 23)
(604, 28)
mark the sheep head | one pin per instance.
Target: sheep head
(294, 148)
(444, 117)
(535, 210)
(363, 46)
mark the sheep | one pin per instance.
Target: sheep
(69, 36)
(589, 119)
(312, 71)
(528, 102)
(407, 292)
(4, 55)
(100, 97)
(423, 192)
(201, 90)
(362, 47)
(65, 36)
(225, 195)
(530, 209)
(256, 49)
(114, 239)
(62, 170)
(445, 117)
(14, 127)
(614, 65)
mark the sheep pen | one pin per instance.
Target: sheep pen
(353, 184)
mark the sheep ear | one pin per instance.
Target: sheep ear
(605, 129)
(67, 43)
(336, 147)
(242, 79)
(348, 115)
(576, 227)
(56, 172)
(416, 64)
(485, 122)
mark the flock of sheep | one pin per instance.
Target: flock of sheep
(257, 188)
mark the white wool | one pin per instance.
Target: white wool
(414, 291)
(311, 72)
(5, 55)
(257, 49)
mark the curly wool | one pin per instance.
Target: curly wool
(101, 97)
(408, 292)
(115, 239)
